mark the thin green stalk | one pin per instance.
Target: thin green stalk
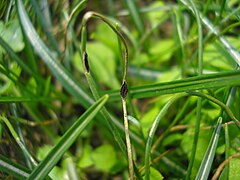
(195, 140)
(233, 12)
(223, 3)
(199, 103)
(180, 40)
(153, 131)
(179, 115)
(227, 151)
(221, 104)
(18, 140)
(206, 7)
(79, 7)
(14, 111)
(45, 26)
(207, 161)
(16, 170)
(136, 17)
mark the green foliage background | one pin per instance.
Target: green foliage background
(183, 79)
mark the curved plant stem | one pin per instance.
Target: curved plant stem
(92, 14)
(79, 7)
(221, 104)
(153, 131)
(124, 89)
(199, 102)
(18, 140)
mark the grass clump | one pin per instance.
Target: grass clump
(130, 90)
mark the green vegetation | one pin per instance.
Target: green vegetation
(119, 90)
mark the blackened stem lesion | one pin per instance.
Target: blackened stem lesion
(85, 61)
(124, 90)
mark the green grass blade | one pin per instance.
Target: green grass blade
(11, 99)
(206, 164)
(45, 25)
(134, 12)
(153, 131)
(14, 169)
(216, 80)
(13, 55)
(59, 71)
(79, 7)
(230, 49)
(227, 150)
(18, 140)
(41, 171)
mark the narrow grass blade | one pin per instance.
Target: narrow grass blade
(13, 55)
(79, 7)
(206, 164)
(216, 80)
(134, 12)
(60, 72)
(18, 140)
(11, 99)
(230, 49)
(45, 26)
(16, 170)
(227, 150)
(41, 171)
(152, 133)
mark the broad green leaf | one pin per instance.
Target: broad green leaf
(41, 171)
(234, 169)
(43, 152)
(216, 58)
(147, 119)
(104, 158)
(170, 75)
(86, 159)
(103, 64)
(155, 16)
(162, 50)
(155, 174)
(171, 139)
(11, 33)
(105, 35)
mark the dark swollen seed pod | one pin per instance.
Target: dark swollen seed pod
(124, 90)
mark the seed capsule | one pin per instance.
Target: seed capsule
(124, 90)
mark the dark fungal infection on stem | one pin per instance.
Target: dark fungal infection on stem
(85, 61)
(124, 90)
